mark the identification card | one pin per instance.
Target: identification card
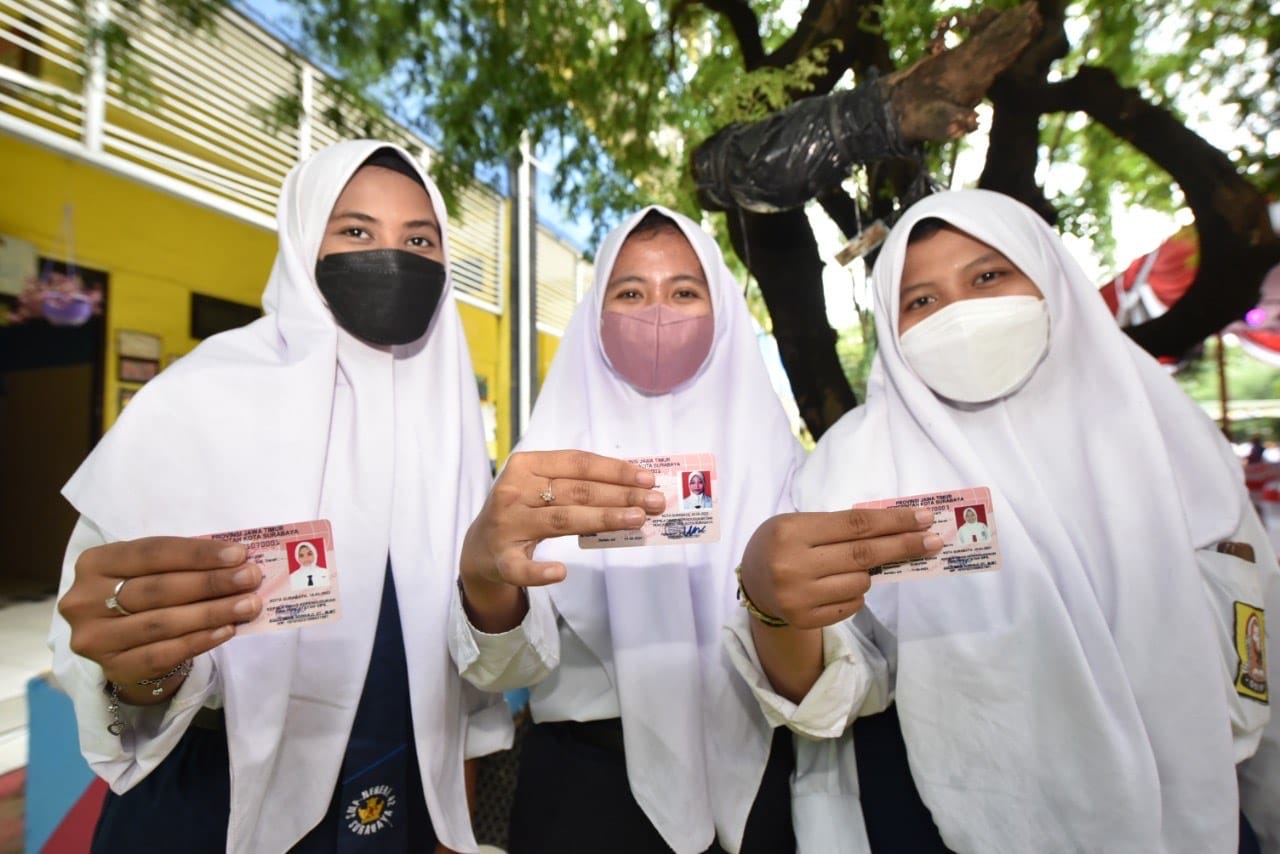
(690, 485)
(862, 243)
(299, 578)
(964, 520)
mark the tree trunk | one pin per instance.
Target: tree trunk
(781, 253)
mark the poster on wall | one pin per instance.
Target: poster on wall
(138, 355)
(18, 264)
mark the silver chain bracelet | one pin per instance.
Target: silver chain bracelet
(116, 727)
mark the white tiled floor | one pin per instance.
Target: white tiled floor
(24, 626)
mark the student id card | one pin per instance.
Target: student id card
(299, 578)
(690, 485)
(964, 520)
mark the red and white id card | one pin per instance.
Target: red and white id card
(964, 520)
(299, 578)
(691, 488)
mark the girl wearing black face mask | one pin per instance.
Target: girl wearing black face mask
(382, 276)
(333, 737)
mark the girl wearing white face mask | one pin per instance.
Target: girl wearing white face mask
(645, 741)
(1092, 694)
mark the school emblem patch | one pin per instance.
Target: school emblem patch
(372, 811)
(1251, 650)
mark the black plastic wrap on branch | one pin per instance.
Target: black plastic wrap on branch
(783, 161)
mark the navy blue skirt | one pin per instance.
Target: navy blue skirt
(377, 804)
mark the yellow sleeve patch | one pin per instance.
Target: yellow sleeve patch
(1251, 649)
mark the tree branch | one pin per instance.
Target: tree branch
(1237, 244)
(1013, 152)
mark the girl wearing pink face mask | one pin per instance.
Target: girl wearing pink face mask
(644, 739)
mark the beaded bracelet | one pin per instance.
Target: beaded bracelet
(157, 682)
(768, 619)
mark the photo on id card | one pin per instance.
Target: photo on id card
(963, 518)
(690, 485)
(299, 576)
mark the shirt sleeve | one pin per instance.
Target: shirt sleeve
(854, 680)
(1243, 590)
(516, 658)
(151, 732)
(1235, 576)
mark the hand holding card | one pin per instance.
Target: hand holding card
(965, 521)
(540, 495)
(175, 598)
(689, 484)
(299, 574)
(812, 569)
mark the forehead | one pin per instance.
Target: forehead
(384, 193)
(667, 246)
(947, 247)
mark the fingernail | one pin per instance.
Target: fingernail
(932, 542)
(232, 554)
(223, 632)
(246, 606)
(246, 577)
(645, 478)
(924, 517)
(655, 501)
(633, 516)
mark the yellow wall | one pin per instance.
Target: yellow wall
(158, 249)
(155, 248)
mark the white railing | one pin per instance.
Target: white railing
(192, 124)
(561, 277)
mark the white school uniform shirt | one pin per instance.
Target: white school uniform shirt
(1084, 697)
(696, 502)
(636, 632)
(397, 464)
(308, 576)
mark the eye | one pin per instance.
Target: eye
(628, 294)
(988, 277)
(919, 303)
(422, 243)
(688, 294)
(355, 231)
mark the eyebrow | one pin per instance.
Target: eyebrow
(634, 278)
(985, 259)
(911, 289)
(981, 261)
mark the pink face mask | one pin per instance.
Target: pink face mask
(657, 348)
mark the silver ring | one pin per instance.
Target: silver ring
(546, 495)
(113, 601)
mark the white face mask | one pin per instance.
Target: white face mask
(976, 350)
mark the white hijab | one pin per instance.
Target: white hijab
(397, 464)
(696, 741)
(1073, 699)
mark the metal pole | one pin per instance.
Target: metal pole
(95, 79)
(524, 362)
(1222, 388)
(308, 99)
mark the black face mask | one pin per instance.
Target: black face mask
(382, 296)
